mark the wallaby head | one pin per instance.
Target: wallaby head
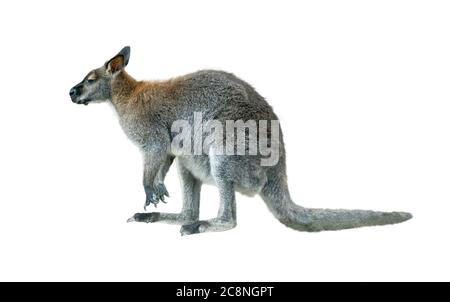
(97, 85)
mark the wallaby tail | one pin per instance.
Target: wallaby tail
(276, 196)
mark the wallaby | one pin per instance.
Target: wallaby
(147, 110)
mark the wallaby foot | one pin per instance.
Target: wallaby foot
(144, 217)
(170, 218)
(202, 226)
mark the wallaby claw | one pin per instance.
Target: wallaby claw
(162, 191)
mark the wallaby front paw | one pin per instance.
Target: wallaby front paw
(155, 194)
(145, 217)
(162, 191)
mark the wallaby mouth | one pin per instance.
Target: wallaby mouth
(83, 102)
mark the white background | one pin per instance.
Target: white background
(362, 91)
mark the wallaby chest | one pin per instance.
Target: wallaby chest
(136, 128)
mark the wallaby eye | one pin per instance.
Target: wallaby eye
(90, 81)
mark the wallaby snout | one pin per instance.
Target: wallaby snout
(75, 94)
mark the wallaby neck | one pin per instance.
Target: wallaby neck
(123, 89)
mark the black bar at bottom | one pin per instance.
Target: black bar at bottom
(209, 291)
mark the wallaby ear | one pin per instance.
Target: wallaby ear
(119, 61)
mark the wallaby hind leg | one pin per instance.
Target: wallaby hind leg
(191, 188)
(226, 218)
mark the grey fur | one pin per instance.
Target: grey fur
(147, 111)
